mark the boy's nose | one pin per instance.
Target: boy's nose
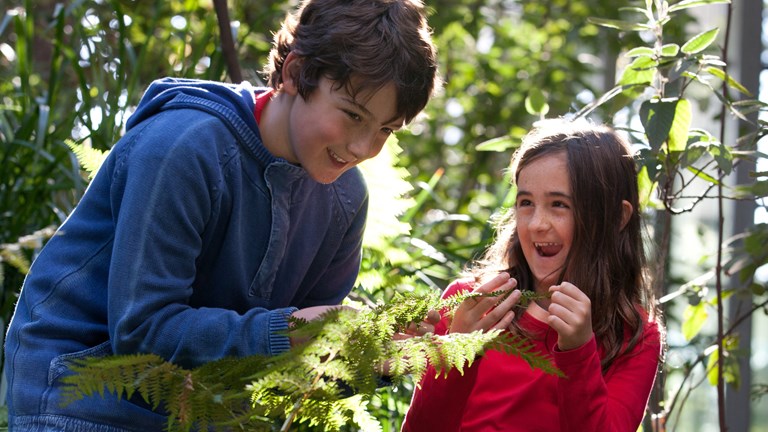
(361, 147)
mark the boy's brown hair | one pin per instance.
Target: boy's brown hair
(373, 42)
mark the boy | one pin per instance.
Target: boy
(222, 211)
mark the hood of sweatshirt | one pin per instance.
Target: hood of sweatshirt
(240, 98)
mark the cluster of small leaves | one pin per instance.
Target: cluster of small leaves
(325, 383)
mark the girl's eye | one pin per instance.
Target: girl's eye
(387, 131)
(560, 204)
(524, 203)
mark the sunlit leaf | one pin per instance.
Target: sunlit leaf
(678, 134)
(640, 71)
(498, 144)
(89, 158)
(728, 79)
(702, 175)
(670, 50)
(731, 374)
(536, 102)
(694, 318)
(722, 155)
(640, 51)
(646, 187)
(657, 117)
(700, 42)
(618, 24)
(387, 185)
(685, 4)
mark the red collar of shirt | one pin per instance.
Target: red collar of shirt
(261, 101)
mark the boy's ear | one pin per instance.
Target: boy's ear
(290, 73)
(626, 213)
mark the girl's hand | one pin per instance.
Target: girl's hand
(483, 313)
(421, 328)
(570, 315)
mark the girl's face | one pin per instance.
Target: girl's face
(544, 213)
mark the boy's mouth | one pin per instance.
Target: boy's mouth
(336, 157)
(548, 249)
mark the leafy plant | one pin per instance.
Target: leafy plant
(325, 383)
(683, 167)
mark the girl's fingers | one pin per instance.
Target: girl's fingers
(505, 321)
(494, 284)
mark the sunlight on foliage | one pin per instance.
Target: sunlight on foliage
(325, 383)
(387, 186)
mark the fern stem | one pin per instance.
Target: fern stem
(295, 409)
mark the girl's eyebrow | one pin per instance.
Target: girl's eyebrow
(555, 194)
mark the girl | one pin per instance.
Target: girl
(574, 236)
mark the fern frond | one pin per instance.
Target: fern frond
(90, 159)
(310, 384)
(523, 348)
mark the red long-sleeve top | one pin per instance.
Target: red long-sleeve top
(501, 392)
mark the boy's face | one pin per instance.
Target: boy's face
(331, 132)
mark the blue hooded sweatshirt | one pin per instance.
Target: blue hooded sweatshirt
(192, 242)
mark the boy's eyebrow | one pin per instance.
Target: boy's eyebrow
(362, 108)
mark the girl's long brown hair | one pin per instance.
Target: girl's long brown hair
(606, 261)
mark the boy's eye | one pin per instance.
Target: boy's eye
(353, 115)
(387, 131)
(523, 202)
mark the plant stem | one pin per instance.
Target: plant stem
(295, 409)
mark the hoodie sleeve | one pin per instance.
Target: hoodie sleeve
(166, 184)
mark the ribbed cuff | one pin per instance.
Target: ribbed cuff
(279, 342)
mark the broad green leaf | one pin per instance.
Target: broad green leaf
(678, 135)
(536, 102)
(694, 318)
(667, 121)
(722, 155)
(646, 188)
(700, 42)
(685, 4)
(657, 117)
(640, 51)
(640, 71)
(618, 24)
(728, 79)
(670, 50)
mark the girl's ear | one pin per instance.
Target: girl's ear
(290, 73)
(626, 213)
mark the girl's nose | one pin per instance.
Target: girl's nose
(540, 221)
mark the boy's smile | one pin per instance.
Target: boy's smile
(332, 130)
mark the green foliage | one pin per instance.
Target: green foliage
(325, 383)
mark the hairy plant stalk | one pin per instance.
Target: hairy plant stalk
(297, 406)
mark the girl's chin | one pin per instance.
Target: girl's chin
(543, 284)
